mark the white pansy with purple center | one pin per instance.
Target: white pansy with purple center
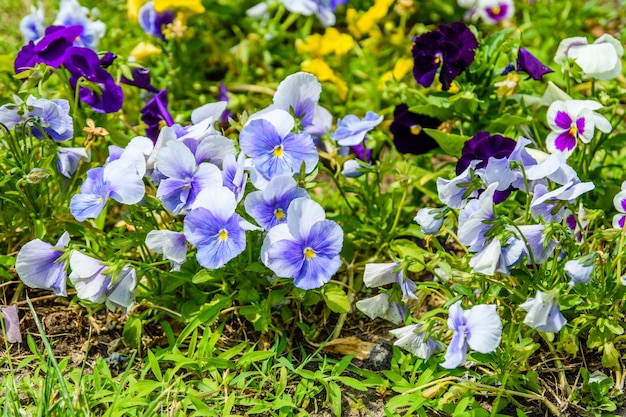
(572, 120)
(600, 60)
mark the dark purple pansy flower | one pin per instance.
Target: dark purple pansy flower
(450, 48)
(152, 21)
(226, 114)
(481, 147)
(141, 79)
(408, 131)
(155, 113)
(50, 49)
(84, 63)
(528, 63)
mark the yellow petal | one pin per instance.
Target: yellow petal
(191, 6)
(133, 9)
(319, 68)
(402, 67)
(144, 50)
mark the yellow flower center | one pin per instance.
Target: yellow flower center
(416, 129)
(573, 131)
(223, 234)
(437, 60)
(309, 254)
(496, 11)
(278, 151)
(279, 213)
(99, 200)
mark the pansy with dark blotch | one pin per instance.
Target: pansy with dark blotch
(483, 146)
(529, 64)
(450, 48)
(50, 49)
(408, 131)
(85, 63)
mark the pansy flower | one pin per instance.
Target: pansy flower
(140, 79)
(579, 270)
(94, 282)
(68, 160)
(378, 274)
(323, 9)
(572, 120)
(269, 206)
(274, 149)
(84, 64)
(47, 117)
(543, 312)
(38, 265)
(171, 244)
(152, 22)
(50, 49)
(619, 201)
(600, 60)
(413, 339)
(494, 11)
(306, 248)
(450, 48)
(72, 13)
(32, 25)
(479, 328)
(184, 178)
(214, 228)
(11, 323)
(351, 130)
(384, 307)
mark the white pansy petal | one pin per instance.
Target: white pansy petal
(485, 328)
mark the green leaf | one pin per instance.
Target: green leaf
(452, 144)
(352, 383)
(407, 249)
(506, 121)
(336, 299)
(132, 332)
(154, 366)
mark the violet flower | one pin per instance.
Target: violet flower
(479, 328)
(543, 312)
(378, 274)
(274, 149)
(384, 307)
(532, 66)
(72, 13)
(94, 282)
(483, 146)
(412, 339)
(269, 206)
(32, 25)
(49, 50)
(172, 245)
(68, 160)
(306, 248)
(154, 113)
(214, 228)
(83, 63)
(152, 22)
(351, 130)
(450, 48)
(120, 180)
(38, 265)
(184, 178)
(579, 270)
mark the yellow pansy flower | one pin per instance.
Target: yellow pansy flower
(332, 41)
(190, 6)
(323, 72)
(144, 50)
(508, 86)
